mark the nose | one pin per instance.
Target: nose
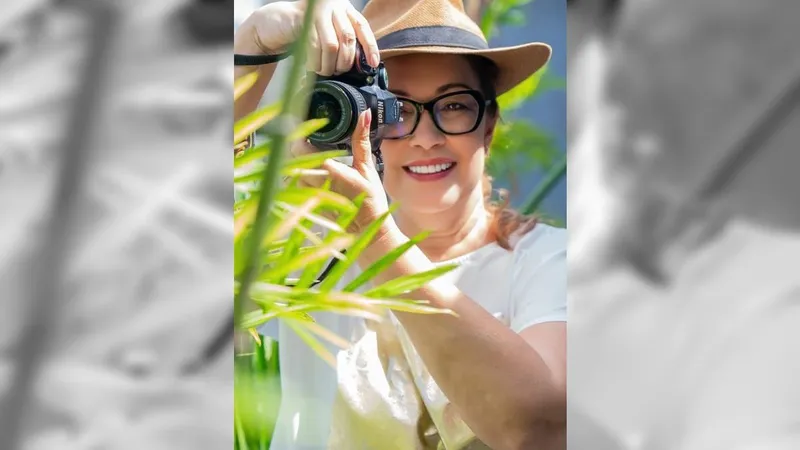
(427, 136)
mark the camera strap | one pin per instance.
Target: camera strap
(258, 60)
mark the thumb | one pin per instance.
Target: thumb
(362, 147)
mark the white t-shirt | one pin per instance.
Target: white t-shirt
(522, 288)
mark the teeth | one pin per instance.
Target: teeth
(436, 168)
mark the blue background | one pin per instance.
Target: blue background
(546, 21)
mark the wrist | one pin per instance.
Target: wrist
(387, 239)
(260, 33)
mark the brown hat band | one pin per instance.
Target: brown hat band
(432, 36)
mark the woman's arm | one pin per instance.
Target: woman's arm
(509, 388)
(246, 42)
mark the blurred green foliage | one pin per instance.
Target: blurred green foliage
(520, 146)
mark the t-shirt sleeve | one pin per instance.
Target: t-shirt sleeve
(539, 278)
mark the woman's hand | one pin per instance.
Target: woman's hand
(352, 181)
(332, 42)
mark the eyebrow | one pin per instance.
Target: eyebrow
(440, 90)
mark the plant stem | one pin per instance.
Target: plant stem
(270, 181)
(554, 175)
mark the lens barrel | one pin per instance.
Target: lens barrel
(341, 104)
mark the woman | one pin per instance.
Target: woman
(500, 366)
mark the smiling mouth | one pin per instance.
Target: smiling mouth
(430, 169)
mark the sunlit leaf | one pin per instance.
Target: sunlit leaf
(307, 128)
(521, 93)
(283, 227)
(253, 121)
(258, 153)
(313, 218)
(301, 261)
(244, 217)
(379, 266)
(312, 160)
(243, 84)
(312, 342)
(406, 284)
(328, 335)
(328, 199)
(355, 251)
(258, 318)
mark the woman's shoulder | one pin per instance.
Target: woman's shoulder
(542, 242)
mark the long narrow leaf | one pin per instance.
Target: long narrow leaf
(307, 128)
(312, 160)
(354, 252)
(554, 175)
(327, 335)
(328, 199)
(241, 437)
(255, 154)
(255, 320)
(293, 246)
(379, 266)
(253, 121)
(404, 285)
(322, 252)
(312, 342)
(244, 84)
(283, 227)
(314, 270)
(313, 218)
(244, 217)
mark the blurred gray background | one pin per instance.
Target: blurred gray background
(115, 242)
(684, 224)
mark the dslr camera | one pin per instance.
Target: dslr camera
(342, 98)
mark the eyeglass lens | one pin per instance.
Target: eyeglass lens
(453, 114)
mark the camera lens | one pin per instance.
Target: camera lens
(341, 104)
(325, 106)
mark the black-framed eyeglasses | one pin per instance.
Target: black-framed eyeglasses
(453, 113)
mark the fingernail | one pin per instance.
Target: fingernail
(367, 118)
(376, 59)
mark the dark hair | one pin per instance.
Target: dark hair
(504, 221)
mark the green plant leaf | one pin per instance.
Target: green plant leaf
(307, 128)
(554, 175)
(286, 224)
(380, 265)
(253, 121)
(258, 318)
(293, 246)
(258, 153)
(521, 93)
(355, 251)
(243, 84)
(327, 199)
(312, 160)
(312, 342)
(404, 285)
(300, 261)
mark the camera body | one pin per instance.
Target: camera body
(342, 98)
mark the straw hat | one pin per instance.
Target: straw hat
(442, 26)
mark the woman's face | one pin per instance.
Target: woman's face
(429, 171)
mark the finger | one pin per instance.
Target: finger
(365, 36)
(362, 147)
(328, 44)
(341, 173)
(314, 56)
(347, 41)
(300, 148)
